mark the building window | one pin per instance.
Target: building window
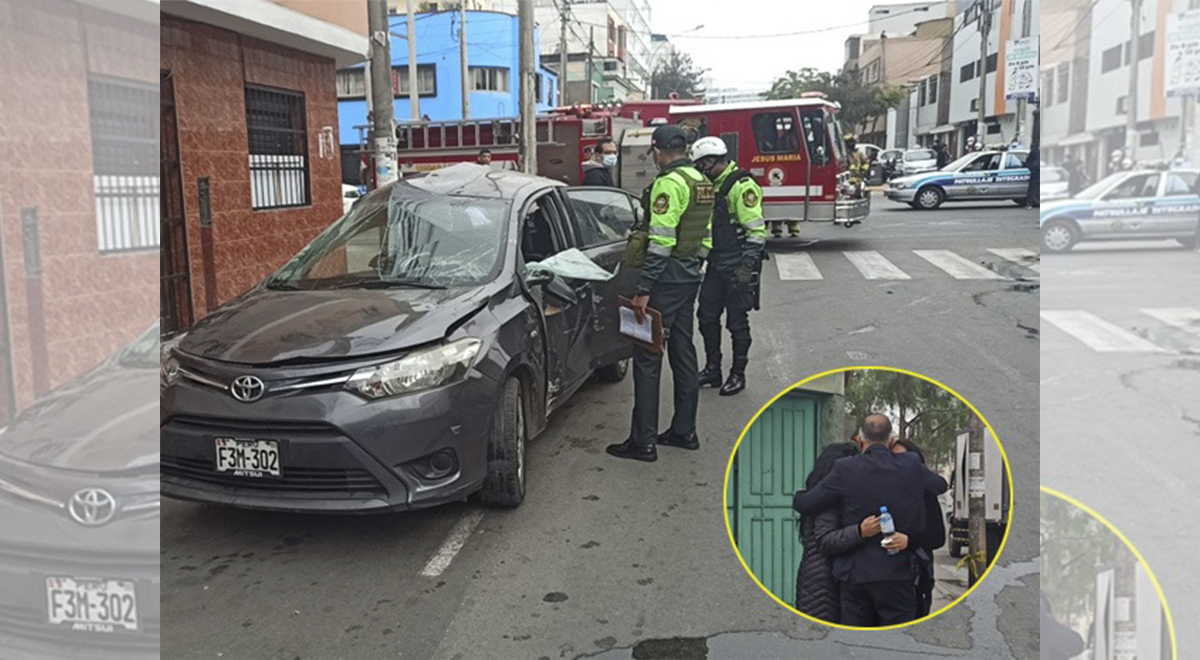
(993, 129)
(1145, 47)
(1110, 59)
(351, 84)
(125, 172)
(488, 79)
(276, 127)
(967, 72)
(1149, 139)
(922, 91)
(1048, 87)
(974, 105)
(1064, 82)
(972, 14)
(537, 88)
(1121, 105)
(991, 63)
(933, 89)
(426, 80)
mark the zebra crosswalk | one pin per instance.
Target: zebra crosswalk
(1169, 330)
(914, 264)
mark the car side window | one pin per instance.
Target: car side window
(538, 237)
(599, 216)
(984, 163)
(1180, 184)
(1015, 161)
(775, 133)
(1136, 187)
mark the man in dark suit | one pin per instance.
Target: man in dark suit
(877, 588)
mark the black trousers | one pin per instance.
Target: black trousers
(878, 603)
(675, 302)
(720, 294)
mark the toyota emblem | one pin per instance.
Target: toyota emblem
(247, 388)
(92, 507)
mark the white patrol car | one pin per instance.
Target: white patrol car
(1133, 205)
(977, 176)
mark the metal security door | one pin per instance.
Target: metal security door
(772, 463)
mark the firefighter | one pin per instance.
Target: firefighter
(670, 254)
(860, 167)
(731, 278)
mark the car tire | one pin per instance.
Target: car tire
(613, 373)
(1059, 236)
(504, 484)
(929, 198)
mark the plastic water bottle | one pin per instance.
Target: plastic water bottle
(887, 526)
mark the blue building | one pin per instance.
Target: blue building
(493, 56)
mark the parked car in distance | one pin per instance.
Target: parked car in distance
(917, 161)
(350, 194)
(1054, 184)
(887, 166)
(1125, 206)
(79, 524)
(404, 357)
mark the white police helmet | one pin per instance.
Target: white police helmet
(707, 146)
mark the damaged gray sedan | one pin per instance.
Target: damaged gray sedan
(405, 356)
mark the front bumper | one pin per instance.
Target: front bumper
(25, 630)
(906, 195)
(853, 210)
(339, 453)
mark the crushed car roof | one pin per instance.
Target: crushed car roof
(472, 180)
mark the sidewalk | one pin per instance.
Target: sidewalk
(949, 581)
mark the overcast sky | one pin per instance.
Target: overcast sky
(754, 63)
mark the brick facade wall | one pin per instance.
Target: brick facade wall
(91, 303)
(210, 68)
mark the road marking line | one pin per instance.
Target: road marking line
(1184, 318)
(796, 267)
(1098, 334)
(462, 529)
(875, 266)
(956, 266)
(1026, 258)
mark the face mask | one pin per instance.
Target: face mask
(609, 160)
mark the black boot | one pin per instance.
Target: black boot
(711, 375)
(629, 450)
(734, 384)
(669, 438)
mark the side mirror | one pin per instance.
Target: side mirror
(821, 155)
(539, 278)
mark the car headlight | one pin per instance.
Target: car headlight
(168, 366)
(417, 371)
(898, 186)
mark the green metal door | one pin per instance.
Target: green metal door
(772, 463)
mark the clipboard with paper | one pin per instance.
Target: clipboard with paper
(648, 334)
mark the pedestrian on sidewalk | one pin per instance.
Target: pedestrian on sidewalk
(730, 286)
(680, 204)
(1033, 193)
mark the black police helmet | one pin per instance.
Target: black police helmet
(669, 136)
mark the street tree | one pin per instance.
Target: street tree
(924, 413)
(860, 102)
(677, 74)
(1075, 548)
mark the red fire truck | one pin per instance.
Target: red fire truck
(794, 148)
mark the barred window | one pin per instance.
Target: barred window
(275, 123)
(125, 176)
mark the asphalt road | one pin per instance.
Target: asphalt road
(616, 559)
(1121, 401)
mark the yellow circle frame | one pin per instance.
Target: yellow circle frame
(729, 528)
(1138, 555)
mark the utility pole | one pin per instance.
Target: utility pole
(1022, 106)
(977, 503)
(985, 28)
(462, 61)
(1131, 104)
(414, 96)
(562, 54)
(591, 47)
(383, 132)
(528, 147)
(1124, 604)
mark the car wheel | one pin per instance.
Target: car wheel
(613, 373)
(504, 484)
(1059, 236)
(929, 198)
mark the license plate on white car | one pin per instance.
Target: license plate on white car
(92, 604)
(248, 458)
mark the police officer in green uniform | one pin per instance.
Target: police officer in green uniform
(670, 252)
(731, 278)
